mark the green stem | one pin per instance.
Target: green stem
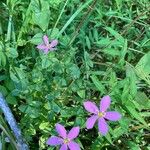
(82, 21)
(59, 16)
(14, 144)
(8, 37)
(81, 7)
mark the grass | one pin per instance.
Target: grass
(103, 50)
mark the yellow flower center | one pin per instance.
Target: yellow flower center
(101, 114)
(66, 141)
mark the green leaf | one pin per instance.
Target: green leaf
(2, 56)
(111, 51)
(81, 93)
(3, 90)
(46, 63)
(119, 3)
(129, 105)
(122, 129)
(74, 71)
(79, 121)
(123, 52)
(130, 73)
(54, 4)
(37, 39)
(108, 137)
(11, 99)
(103, 42)
(52, 33)
(19, 77)
(41, 19)
(143, 68)
(31, 111)
(95, 34)
(44, 125)
(17, 74)
(142, 99)
(11, 52)
(41, 13)
(98, 84)
(2, 59)
(55, 107)
(133, 146)
(144, 64)
(88, 43)
(115, 34)
(88, 60)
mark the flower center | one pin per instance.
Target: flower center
(48, 45)
(66, 141)
(101, 114)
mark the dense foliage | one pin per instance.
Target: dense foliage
(103, 49)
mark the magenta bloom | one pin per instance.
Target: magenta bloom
(100, 114)
(64, 139)
(46, 46)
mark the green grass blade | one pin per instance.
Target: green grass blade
(73, 17)
(60, 14)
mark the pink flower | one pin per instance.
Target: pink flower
(46, 46)
(100, 114)
(64, 139)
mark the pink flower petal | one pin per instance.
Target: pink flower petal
(73, 146)
(113, 115)
(61, 130)
(63, 147)
(54, 140)
(45, 39)
(105, 103)
(91, 121)
(41, 46)
(53, 43)
(102, 126)
(73, 133)
(91, 107)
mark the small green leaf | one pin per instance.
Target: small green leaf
(133, 146)
(103, 42)
(98, 84)
(41, 13)
(134, 113)
(11, 52)
(142, 99)
(88, 43)
(88, 60)
(130, 73)
(2, 58)
(11, 99)
(37, 39)
(143, 68)
(46, 63)
(108, 137)
(111, 51)
(144, 63)
(3, 90)
(52, 33)
(74, 71)
(44, 125)
(81, 93)
(115, 34)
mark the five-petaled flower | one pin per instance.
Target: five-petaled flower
(100, 114)
(64, 139)
(46, 46)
